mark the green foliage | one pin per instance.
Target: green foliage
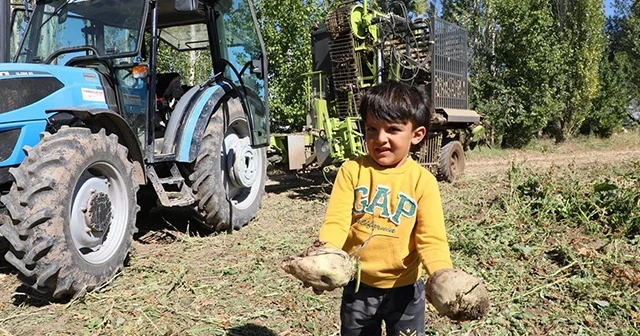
(515, 62)
(605, 206)
(527, 63)
(629, 15)
(584, 278)
(609, 108)
(286, 29)
(579, 25)
(193, 66)
(550, 74)
(395, 6)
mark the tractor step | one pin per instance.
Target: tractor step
(168, 198)
(172, 180)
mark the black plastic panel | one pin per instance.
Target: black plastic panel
(19, 92)
(8, 141)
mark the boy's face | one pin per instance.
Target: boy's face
(389, 143)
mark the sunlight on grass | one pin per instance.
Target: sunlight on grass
(623, 141)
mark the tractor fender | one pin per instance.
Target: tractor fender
(190, 117)
(112, 123)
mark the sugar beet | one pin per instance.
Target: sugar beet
(457, 295)
(323, 268)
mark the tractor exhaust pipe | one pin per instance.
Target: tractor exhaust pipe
(5, 19)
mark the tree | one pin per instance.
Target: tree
(579, 28)
(609, 108)
(478, 16)
(629, 40)
(514, 63)
(286, 31)
(535, 63)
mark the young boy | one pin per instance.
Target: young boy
(392, 203)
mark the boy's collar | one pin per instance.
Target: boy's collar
(403, 167)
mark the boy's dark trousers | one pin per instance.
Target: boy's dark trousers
(402, 309)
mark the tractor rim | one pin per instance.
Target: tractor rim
(99, 213)
(242, 165)
(453, 162)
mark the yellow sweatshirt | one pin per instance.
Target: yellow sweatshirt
(402, 206)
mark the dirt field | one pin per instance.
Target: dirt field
(541, 280)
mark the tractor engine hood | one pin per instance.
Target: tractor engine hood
(31, 89)
(28, 91)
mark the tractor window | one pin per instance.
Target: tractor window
(184, 38)
(240, 46)
(239, 43)
(69, 28)
(18, 27)
(193, 65)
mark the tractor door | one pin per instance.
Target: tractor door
(240, 56)
(19, 20)
(13, 22)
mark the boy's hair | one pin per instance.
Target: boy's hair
(396, 102)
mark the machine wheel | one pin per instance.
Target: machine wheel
(228, 168)
(451, 162)
(73, 210)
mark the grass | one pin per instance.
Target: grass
(549, 269)
(548, 272)
(624, 141)
(630, 139)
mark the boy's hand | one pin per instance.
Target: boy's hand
(320, 267)
(457, 295)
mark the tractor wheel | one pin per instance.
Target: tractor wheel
(228, 176)
(73, 211)
(451, 162)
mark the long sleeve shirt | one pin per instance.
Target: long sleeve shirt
(398, 210)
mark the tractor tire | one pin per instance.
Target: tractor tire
(73, 210)
(451, 164)
(228, 175)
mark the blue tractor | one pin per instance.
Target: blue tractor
(91, 130)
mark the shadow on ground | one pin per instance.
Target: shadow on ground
(160, 225)
(23, 294)
(250, 329)
(315, 185)
(5, 267)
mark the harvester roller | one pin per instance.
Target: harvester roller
(343, 61)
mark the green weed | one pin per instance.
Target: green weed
(609, 205)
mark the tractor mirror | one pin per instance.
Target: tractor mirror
(186, 5)
(62, 17)
(256, 68)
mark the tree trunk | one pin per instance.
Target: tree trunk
(558, 131)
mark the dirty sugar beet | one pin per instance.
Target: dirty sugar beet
(457, 294)
(322, 268)
(453, 292)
